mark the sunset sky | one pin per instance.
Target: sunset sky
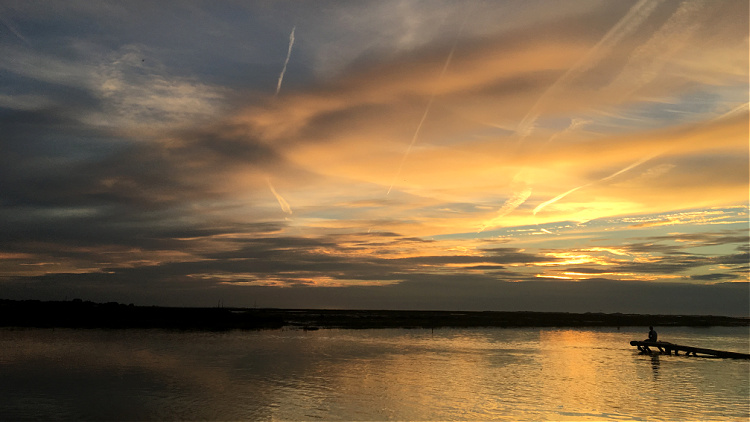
(477, 155)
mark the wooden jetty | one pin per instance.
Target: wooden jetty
(667, 348)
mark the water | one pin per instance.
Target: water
(467, 374)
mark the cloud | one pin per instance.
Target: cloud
(336, 128)
(676, 256)
(700, 217)
(133, 91)
(133, 83)
(712, 277)
(447, 292)
(136, 160)
(472, 66)
(218, 257)
(629, 23)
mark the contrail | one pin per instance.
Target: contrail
(14, 30)
(574, 124)
(519, 197)
(286, 62)
(511, 204)
(646, 62)
(557, 198)
(740, 108)
(521, 192)
(629, 23)
(282, 202)
(429, 104)
(636, 164)
(413, 140)
(617, 173)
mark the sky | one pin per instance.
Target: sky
(577, 156)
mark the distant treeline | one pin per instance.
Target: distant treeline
(84, 314)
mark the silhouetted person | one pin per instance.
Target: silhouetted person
(651, 334)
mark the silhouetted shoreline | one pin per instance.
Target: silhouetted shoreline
(85, 314)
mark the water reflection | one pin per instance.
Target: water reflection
(655, 365)
(476, 374)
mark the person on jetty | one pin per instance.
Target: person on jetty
(651, 335)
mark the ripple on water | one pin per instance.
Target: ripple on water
(473, 374)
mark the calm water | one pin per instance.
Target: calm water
(468, 374)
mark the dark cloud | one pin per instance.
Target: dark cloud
(712, 277)
(676, 258)
(585, 270)
(708, 239)
(514, 255)
(463, 292)
(67, 183)
(412, 283)
(654, 247)
(667, 264)
(260, 255)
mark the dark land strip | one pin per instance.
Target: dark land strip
(85, 314)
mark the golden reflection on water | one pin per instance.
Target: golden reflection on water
(568, 370)
(415, 377)
(584, 381)
(478, 374)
